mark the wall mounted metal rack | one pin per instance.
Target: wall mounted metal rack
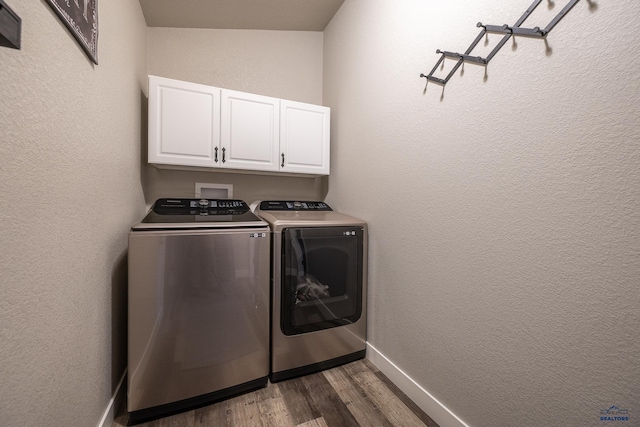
(505, 29)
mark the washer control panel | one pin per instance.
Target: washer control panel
(199, 206)
(284, 205)
(220, 204)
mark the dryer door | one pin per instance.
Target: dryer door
(321, 278)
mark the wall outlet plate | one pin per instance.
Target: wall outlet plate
(214, 191)
(10, 27)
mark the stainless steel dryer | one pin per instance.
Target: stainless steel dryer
(319, 287)
(198, 305)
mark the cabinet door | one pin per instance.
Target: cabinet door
(184, 122)
(304, 138)
(250, 131)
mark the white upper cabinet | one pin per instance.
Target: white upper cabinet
(193, 125)
(184, 122)
(304, 138)
(250, 131)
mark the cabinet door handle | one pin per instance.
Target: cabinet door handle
(216, 155)
(223, 155)
(282, 159)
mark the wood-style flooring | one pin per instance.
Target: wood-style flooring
(356, 394)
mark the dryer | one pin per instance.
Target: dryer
(319, 287)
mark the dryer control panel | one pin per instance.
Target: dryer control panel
(284, 205)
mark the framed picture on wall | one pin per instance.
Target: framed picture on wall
(81, 18)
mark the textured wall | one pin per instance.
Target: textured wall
(504, 211)
(282, 64)
(70, 181)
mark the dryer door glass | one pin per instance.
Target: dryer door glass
(322, 278)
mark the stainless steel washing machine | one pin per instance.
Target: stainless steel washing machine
(319, 287)
(198, 305)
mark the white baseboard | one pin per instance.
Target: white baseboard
(421, 397)
(110, 413)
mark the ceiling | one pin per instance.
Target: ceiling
(294, 15)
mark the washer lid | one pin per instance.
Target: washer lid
(198, 213)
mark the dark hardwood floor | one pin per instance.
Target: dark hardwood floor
(356, 394)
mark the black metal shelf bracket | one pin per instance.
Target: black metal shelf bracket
(508, 31)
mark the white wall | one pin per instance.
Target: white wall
(504, 212)
(282, 64)
(70, 182)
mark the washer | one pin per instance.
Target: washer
(319, 287)
(198, 305)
